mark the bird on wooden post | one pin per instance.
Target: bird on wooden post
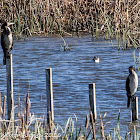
(131, 84)
(6, 40)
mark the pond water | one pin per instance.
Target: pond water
(73, 70)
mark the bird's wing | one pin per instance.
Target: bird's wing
(12, 43)
(127, 86)
(2, 41)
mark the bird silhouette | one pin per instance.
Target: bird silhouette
(131, 85)
(96, 59)
(6, 40)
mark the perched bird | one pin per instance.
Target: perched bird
(96, 59)
(131, 84)
(6, 40)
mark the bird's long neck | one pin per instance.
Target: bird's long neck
(133, 72)
(7, 30)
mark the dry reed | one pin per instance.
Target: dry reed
(92, 125)
(109, 18)
(31, 127)
(86, 124)
(102, 128)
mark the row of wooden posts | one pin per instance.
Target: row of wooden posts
(49, 92)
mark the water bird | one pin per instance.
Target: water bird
(6, 40)
(96, 59)
(131, 84)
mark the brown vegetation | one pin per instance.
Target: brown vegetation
(27, 126)
(108, 18)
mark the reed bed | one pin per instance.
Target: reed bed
(27, 126)
(109, 18)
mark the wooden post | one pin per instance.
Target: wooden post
(134, 109)
(0, 110)
(10, 99)
(4, 104)
(26, 115)
(49, 92)
(23, 123)
(92, 100)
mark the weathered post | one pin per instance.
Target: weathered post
(92, 100)
(49, 92)
(10, 99)
(26, 115)
(0, 109)
(134, 109)
(4, 104)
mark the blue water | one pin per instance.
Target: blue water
(73, 70)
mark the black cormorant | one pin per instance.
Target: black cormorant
(131, 84)
(6, 40)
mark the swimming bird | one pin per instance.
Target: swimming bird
(96, 59)
(131, 84)
(6, 40)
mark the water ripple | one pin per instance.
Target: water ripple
(72, 72)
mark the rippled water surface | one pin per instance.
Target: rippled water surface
(73, 70)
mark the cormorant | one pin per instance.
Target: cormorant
(6, 40)
(131, 84)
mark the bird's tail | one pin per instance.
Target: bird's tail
(4, 59)
(6, 55)
(128, 101)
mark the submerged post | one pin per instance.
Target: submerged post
(92, 100)
(10, 99)
(134, 109)
(49, 92)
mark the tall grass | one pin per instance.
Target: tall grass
(110, 18)
(27, 126)
(136, 55)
